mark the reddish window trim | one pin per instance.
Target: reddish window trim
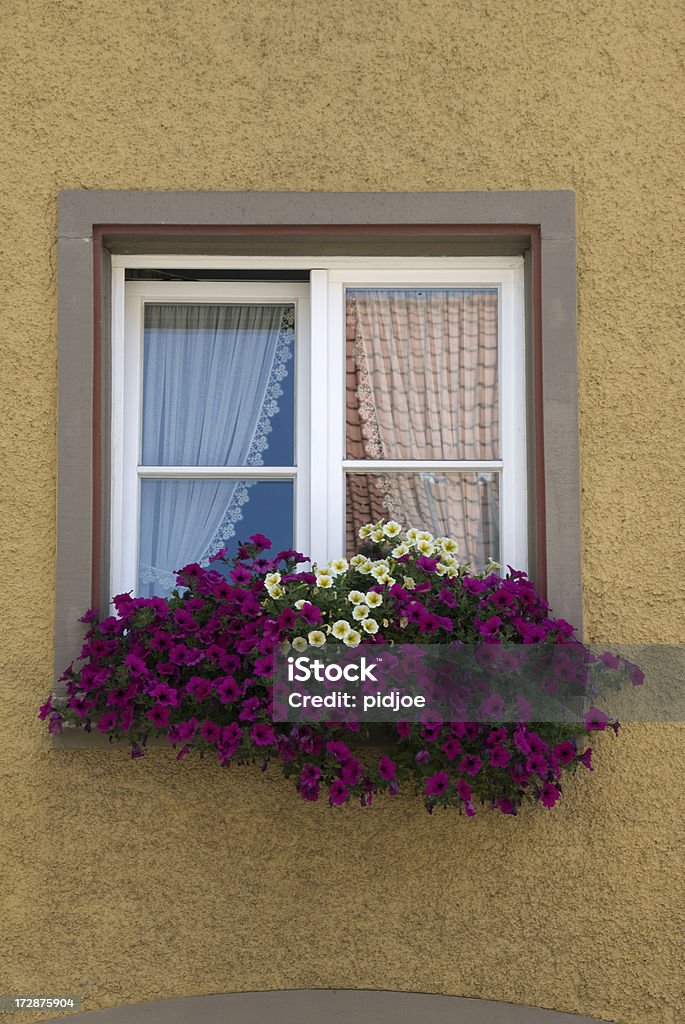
(102, 232)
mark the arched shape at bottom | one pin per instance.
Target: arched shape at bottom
(327, 1006)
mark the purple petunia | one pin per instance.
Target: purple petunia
(198, 687)
(310, 614)
(437, 784)
(565, 752)
(186, 730)
(249, 710)
(586, 759)
(387, 769)
(471, 764)
(210, 731)
(310, 792)
(45, 709)
(107, 721)
(159, 715)
(549, 794)
(451, 748)
(338, 792)
(310, 774)
(499, 757)
(431, 731)
(263, 735)
(351, 772)
(537, 764)
(227, 689)
(595, 719)
(463, 789)
(241, 575)
(339, 750)
(490, 628)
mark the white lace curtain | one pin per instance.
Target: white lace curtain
(422, 385)
(211, 382)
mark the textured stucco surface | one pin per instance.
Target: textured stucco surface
(127, 881)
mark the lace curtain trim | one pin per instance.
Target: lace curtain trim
(371, 431)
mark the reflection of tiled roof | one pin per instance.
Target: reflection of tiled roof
(422, 384)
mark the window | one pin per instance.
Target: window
(378, 389)
(322, 234)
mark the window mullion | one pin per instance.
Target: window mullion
(422, 466)
(336, 420)
(219, 472)
(319, 416)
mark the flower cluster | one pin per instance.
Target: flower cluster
(196, 669)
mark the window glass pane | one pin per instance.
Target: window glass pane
(218, 385)
(421, 373)
(184, 521)
(464, 506)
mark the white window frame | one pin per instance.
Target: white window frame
(319, 473)
(127, 394)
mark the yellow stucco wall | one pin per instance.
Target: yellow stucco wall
(125, 881)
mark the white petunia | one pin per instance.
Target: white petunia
(316, 638)
(373, 599)
(400, 550)
(338, 565)
(392, 528)
(408, 583)
(360, 612)
(272, 578)
(364, 531)
(425, 547)
(377, 534)
(324, 580)
(352, 639)
(300, 644)
(370, 626)
(340, 629)
(355, 597)
(275, 590)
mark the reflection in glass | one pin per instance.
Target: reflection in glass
(464, 506)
